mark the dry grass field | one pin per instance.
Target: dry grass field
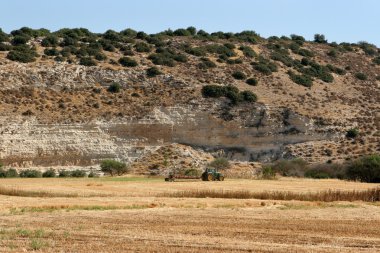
(143, 215)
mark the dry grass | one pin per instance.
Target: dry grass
(370, 195)
(126, 215)
(45, 194)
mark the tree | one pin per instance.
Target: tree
(113, 167)
(320, 38)
(365, 169)
(220, 163)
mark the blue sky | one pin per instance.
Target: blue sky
(339, 20)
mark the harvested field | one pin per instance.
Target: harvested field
(132, 215)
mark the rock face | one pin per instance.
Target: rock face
(26, 142)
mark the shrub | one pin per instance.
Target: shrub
(153, 71)
(248, 51)
(78, 173)
(22, 54)
(30, 173)
(220, 163)
(332, 53)
(285, 59)
(365, 169)
(64, 173)
(320, 38)
(297, 39)
(3, 36)
(267, 173)
(303, 80)
(214, 91)
(238, 75)
(11, 173)
(20, 40)
(142, 47)
(252, 81)
(352, 133)
(50, 41)
(51, 52)
(248, 96)
(336, 70)
(4, 47)
(113, 167)
(376, 60)
(206, 63)
(361, 76)
(128, 62)
(182, 32)
(49, 173)
(114, 88)
(264, 66)
(294, 168)
(87, 61)
(162, 59)
(196, 51)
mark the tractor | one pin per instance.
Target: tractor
(211, 174)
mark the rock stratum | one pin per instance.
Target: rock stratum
(60, 113)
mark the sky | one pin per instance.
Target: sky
(338, 20)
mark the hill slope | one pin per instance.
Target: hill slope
(73, 97)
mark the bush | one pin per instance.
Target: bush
(248, 96)
(153, 71)
(332, 53)
(220, 163)
(352, 133)
(142, 47)
(30, 173)
(20, 40)
(50, 41)
(264, 66)
(49, 173)
(113, 167)
(51, 52)
(292, 168)
(267, 173)
(4, 47)
(303, 80)
(361, 76)
(11, 173)
(297, 39)
(238, 75)
(206, 63)
(365, 169)
(320, 38)
(78, 173)
(64, 173)
(8, 173)
(128, 62)
(248, 51)
(114, 88)
(182, 32)
(252, 81)
(214, 91)
(196, 51)
(87, 61)
(3, 36)
(376, 60)
(22, 54)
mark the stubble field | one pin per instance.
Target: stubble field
(142, 215)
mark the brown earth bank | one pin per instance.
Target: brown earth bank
(61, 113)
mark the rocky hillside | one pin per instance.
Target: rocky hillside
(73, 97)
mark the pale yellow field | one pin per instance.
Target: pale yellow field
(127, 215)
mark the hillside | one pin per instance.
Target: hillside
(73, 97)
